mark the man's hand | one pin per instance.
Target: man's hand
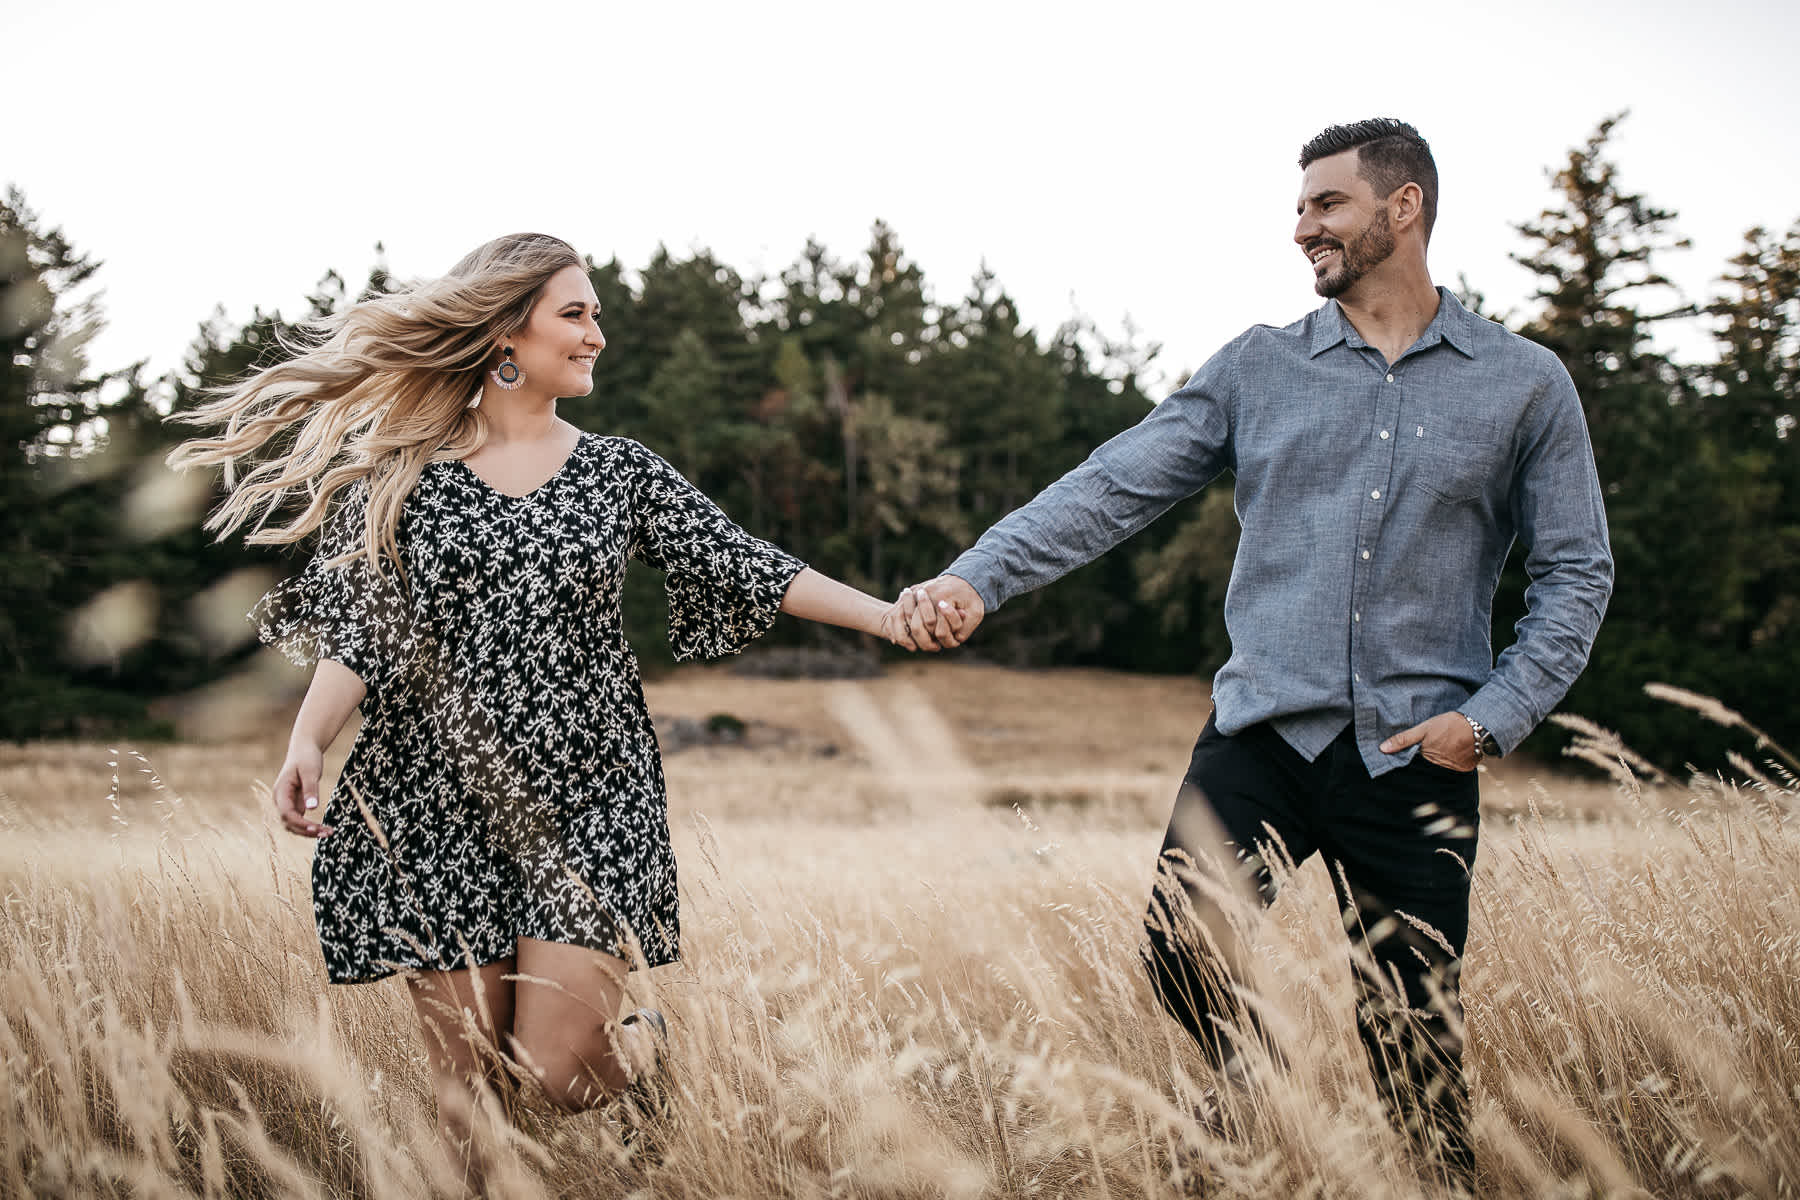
(1445, 739)
(941, 613)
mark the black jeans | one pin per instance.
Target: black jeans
(1397, 846)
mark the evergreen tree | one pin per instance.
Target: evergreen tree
(687, 412)
(1749, 411)
(1757, 377)
(51, 421)
(1675, 509)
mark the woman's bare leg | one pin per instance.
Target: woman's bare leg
(466, 1017)
(566, 1028)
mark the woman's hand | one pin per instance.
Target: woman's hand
(296, 792)
(941, 613)
(893, 628)
(912, 624)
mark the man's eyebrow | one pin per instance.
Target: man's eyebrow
(1322, 195)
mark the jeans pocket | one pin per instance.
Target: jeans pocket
(1419, 759)
(1445, 791)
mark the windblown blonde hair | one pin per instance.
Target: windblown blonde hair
(382, 390)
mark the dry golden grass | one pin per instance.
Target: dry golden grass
(896, 984)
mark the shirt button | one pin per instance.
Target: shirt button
(1365, 554)
(1390, 379)
(1357, 678)
(1375, 495)
(1384, 435)
(1356, 616)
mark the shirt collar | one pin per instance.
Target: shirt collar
(1453, 324)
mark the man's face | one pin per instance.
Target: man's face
(1343, 227)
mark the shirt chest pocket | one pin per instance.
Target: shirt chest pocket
(1456, 462)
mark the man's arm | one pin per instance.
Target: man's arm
(1177, 449)
(1561, 519)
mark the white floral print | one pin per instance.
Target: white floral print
(506, 782)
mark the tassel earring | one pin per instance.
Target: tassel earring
(508, 375)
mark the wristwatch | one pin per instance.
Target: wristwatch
(1485, 745)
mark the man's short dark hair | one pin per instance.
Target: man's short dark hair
(1389, 153)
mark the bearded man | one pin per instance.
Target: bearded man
(1388, 449)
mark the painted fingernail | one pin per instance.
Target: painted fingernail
(312, 802)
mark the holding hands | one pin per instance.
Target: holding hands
(929, 616)
(939, 614)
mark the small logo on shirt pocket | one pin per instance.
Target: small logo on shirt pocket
(1456, 463)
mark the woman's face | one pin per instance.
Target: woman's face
(561, 339)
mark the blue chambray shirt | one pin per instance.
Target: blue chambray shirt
(1378, 504)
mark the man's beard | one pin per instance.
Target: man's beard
(1371, 247)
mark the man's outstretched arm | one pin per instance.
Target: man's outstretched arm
(1177, 449)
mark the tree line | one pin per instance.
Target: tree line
(842, 411)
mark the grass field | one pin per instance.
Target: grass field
(910, 908)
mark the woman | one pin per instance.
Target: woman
(502, 813)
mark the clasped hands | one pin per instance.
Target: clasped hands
(938, 614)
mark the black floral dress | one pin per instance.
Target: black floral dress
(506, 781)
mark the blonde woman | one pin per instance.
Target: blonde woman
(499, 831)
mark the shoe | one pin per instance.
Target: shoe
(647, 1104)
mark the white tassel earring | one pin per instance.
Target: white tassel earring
(508, 375)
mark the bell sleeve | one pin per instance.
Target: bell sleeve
(724, 585)
(346, 613)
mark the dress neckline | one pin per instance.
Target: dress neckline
(580, 440)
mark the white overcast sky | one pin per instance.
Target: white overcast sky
(1119, 158)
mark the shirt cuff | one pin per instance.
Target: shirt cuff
(976, 571)
(1500, 716)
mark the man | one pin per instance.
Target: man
(1387, 449)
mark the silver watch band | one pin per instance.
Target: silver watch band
(1482, 736)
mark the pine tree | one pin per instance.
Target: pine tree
(1675, 509)
(50, 419)
(1749, 412)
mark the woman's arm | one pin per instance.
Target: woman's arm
(815, 597)
(335, 692)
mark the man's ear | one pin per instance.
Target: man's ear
(1406, 205)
